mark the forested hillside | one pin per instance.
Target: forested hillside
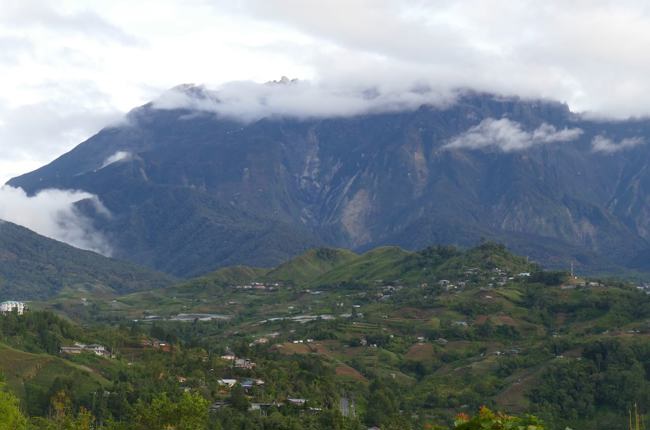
(33, 266)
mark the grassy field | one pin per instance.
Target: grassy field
(30, 374)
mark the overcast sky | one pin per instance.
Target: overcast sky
(70, 67)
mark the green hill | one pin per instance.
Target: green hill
(36, 267)
(378, 264)
(393, 264)
(234, 275)
(31, 376)
(324, 268)
(333, 267)
(312, 264)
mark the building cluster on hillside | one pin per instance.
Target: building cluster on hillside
(263, 340)
(273, 286)
(387, 291)
(496, 277)
(78, 348)
(580, 283)
(644, 288)
(11, 306)
(246, 383)
(264, 407)
(155, 344)
(249, 384)
(238, 363)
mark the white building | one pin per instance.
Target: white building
(227, 382)
(78, 348)
(9, 306)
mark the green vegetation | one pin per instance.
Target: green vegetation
(311, 265)
(390, 338)
(33, 266)
(10, 415)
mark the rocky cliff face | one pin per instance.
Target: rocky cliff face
(190, 191)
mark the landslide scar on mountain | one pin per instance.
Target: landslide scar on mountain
(355, 214)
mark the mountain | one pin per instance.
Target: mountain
(191, 191)
(35, 267)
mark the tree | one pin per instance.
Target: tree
(190, 412)
(62, 416)
(10, 415)
(382, 404)
(238, 399)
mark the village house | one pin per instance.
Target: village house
(263, 408)
(248, 384)
(259, 341)
(229, 383)
(155, 344)
(228, 356)
(296, 402)
(78, 348)
(244, 363)
(11, 305)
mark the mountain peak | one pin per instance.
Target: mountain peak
(201, 191)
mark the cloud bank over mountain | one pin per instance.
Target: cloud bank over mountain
(70, 67)
(249, 101)
(52, 213)
(508, 136)
(606, 145)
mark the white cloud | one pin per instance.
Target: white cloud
(508, 136)
(606, 145)
(294, 98)
(52, 213)
(34, 133)
(69, 65)
(116, 158)
(36, 14)
(528, 48)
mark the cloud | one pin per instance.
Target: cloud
(13, 48)
(36, 133)
(508, 136)
(247, 101)
(112, 55)
(116, 158)
(40, 14)
(606, 145)
(527, 48)
(52, 213)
